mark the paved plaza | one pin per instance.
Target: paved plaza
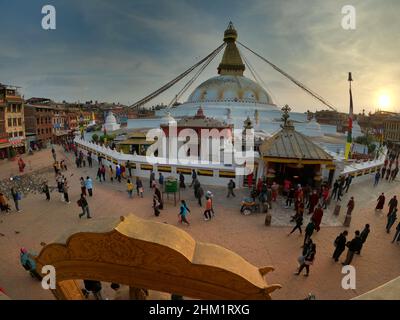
(41, 221)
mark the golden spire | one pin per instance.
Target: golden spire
(231, 63)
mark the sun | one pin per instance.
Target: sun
(384, 101)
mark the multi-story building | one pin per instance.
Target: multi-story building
(38, 124)
(72, 118)
(4, 143)
(13, 123)
(60, 127)
(391, 129)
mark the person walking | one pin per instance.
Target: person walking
(299, 223)
(353, 247)
(53, 152)
(157, 192)
(156, 205)
(83, 186)
(139, 187)
(198, 193)
(16, 195)
(103, 172)
(349, 179)
(89, 186)
(335, 189)
(4, 206)
(268, 195)
(207, 212)
(194, 177)
(350, 206)
(391, 218)
(313, 202)
(210, 195)
(325, 198)
(340, 245)
(275, 189)
(82, 202)
(65, 191)
(161, 180)
(118, 173)
(340, 192)
(381, 202)
(182, 181)
(377, 177)
(317, 217)
(128, 165)
(231, 187)
(46, 190)
(392, 204)
(111, 172)
(363, 236)
(129, 188)
(397, 234)
(309, 231)
(89, 159)
(308, 260)
(184, 210)
(98, 176)
(152, 178)
(290, 197)
(383, 172)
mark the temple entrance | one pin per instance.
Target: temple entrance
(303, 174)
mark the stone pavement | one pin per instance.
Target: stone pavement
(42, 221)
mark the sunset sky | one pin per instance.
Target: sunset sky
(121, 50)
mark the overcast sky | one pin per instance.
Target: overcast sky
(121, 50)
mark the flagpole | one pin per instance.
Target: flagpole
(350, 123)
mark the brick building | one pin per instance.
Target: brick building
(12, 122)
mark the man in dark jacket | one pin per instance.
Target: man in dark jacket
(363, 236)
(194, 177)
(340, 244)
(309, 231)
(392, 204)
(354, 246)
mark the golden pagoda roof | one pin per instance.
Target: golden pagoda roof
(231, 63)
(290, 144)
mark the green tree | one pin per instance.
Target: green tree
(95, 137)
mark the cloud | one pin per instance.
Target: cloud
(123, 50)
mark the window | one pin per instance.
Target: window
(9, 122)
(14, 122)
(10, 135)
(37, 120)
(41, 120)
(14, 108)
(21, 133)
(19, 108)
(42, 131)
(20, 121)
(38, 131)
(9, 108)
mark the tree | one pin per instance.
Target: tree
(95, 137)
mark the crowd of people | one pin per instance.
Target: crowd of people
(296, 197)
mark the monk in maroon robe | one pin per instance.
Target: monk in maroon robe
(317, 217)
(313, 201)
(381, 202)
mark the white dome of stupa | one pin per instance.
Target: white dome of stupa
(230, 88)
(111, 123)
(313, 129)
